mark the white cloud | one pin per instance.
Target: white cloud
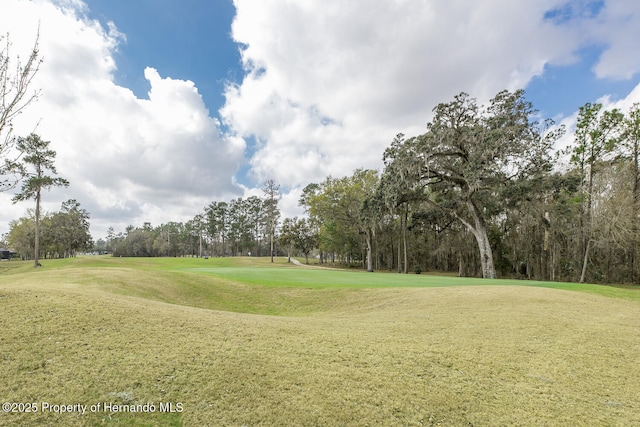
(129, 160)
(329, 84)
(618, 28)
(623, 104)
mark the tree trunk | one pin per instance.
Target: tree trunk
(585, 261)
(271, 240)
(634, 211)
(404, 239)
(399, 248)
(37, 239)
(587, 226)
(553, 262)
(369, 252)
(486, 255)
(544, 270)
(480, 233)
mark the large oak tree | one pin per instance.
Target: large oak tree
(470, 154)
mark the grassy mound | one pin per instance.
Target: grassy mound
(294, 349)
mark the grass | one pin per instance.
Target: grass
(321, 279)
(255, 344)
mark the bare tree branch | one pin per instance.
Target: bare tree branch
(15, 79)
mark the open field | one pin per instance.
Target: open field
(240, 342)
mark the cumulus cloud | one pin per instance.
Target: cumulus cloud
(129, 160)
(329, 84)
(618, 29)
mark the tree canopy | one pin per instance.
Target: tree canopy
(469, 156)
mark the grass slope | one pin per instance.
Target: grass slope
(127, 331)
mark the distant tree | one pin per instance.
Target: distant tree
(217, 224)
(61, 234)
(36, 162)
(240, 226)
(100, 246)
(22, 235)
(298, 233)
(172, 232)
(287, 235)
(271, 192)
(111, 239)
(597, 133)
(257, 221)
(197, 224)
(338, 204)
(70, 231)
(630, 148)
(15, 80)
(137, 243)
(309, 193)
(305, 237)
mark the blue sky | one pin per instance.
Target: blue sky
(158, 107)
(561, 90)
(187, 40)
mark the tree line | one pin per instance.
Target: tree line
(240, 227)
(63, 234)
(483, 192)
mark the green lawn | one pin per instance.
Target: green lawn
(260, 271)
(319, 279)
(239, 341)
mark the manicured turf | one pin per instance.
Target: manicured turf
(260, 271)
(244, 342)
(332, 278)
(319, 278)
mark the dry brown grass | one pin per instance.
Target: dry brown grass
(439, 356)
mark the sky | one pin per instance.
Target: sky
(156, 108)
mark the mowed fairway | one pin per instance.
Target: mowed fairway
(232, 342)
